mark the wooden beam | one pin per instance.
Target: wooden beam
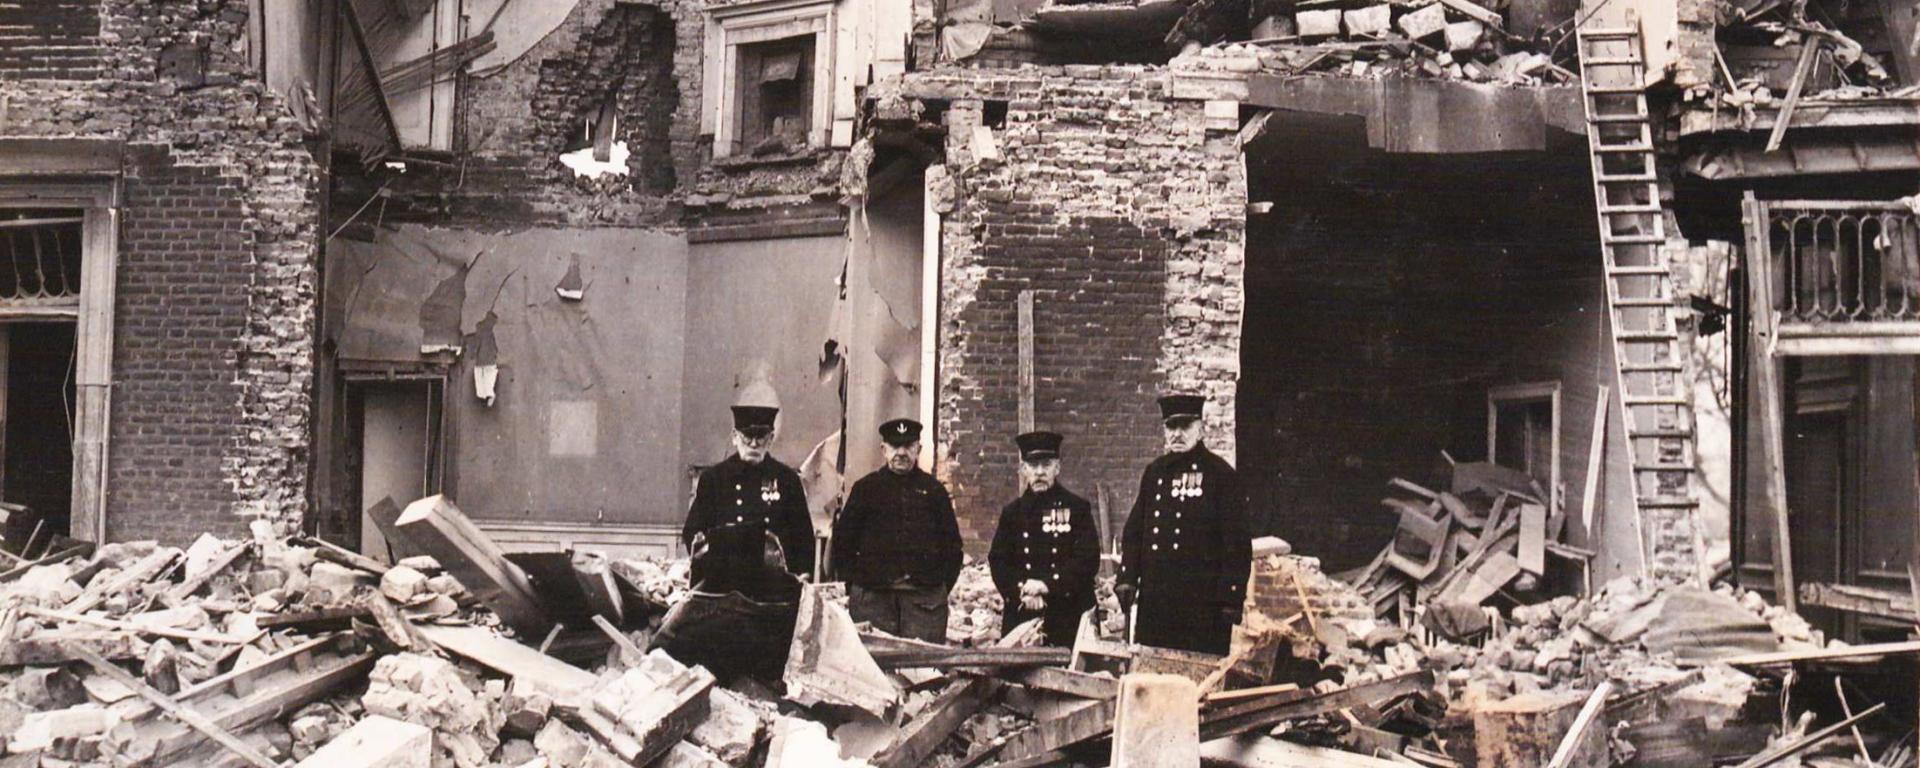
(1784, 751)
(1263, 713)
(924, 734)
(181, 712)
(1065, 681)
(128, 626)
(143, 570)
(1900, 18)
(436, 526)
(385, 107)
(1808, 51)
(1044, 738)
(628, 649)
(244, 701)
(568, 684)
(1570, 744)
(218, 565)
(1767, 375)
(329, 551)
(1596, 466)
(1852, 653)
(948, 658)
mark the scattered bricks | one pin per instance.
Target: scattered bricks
(561, 745)
(732, 728)
(428, 691)
(48, 688)
(265, 579)
(1371, 21)
(401, 584)
(527, 710)
(1464, 35)
(1425, 22)
(338, 580)
(162, 667)
(1324, 23)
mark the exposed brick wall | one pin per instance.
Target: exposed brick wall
(216, 268)
(1124, 215)
(50, 39)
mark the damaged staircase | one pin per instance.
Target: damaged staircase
(1650, 354)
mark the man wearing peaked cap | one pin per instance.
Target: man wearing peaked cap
(1046, 549)
(896, 542)
(1186, 549)
(753, 490)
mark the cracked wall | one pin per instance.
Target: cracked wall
(1125, 215)
(212, 349)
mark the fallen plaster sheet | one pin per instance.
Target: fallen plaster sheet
(521, 25)
(585, 417)
(584, 166)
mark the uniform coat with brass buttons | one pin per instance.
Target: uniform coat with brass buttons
(897, 530)
(767, 495)
(1049, 537)
(1186, 551)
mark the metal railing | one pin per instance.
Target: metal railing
(1844, 261)
(39, 259)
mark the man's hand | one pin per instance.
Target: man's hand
(1033, 595)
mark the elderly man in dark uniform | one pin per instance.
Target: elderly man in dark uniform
(753, 489)
(1186, 549)
(1046, 550)
(896, 542)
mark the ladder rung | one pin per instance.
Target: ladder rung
(1613, 90)
(1665, 502)
(1663, 467)
(1660, 433)
(1618, 148)
(1635, 208)
(1633, 118)
(1637, 270)
(1651, 400)
(1615, 178)
(1645, 335)
(1608, 33)
(1611, 60)
(1633, 239)
(1650, 368)
(1643, 302)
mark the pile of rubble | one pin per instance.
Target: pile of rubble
(280, 648)
(1434, 39)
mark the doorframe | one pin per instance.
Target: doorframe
(1528, 392)
(98, 201)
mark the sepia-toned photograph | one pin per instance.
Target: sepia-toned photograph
(960, 383)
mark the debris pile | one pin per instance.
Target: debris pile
(1437, 39)
(276, 648)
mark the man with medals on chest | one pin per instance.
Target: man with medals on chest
(1186, 550)
(1046, 549)
(897, 544)
(753, 490)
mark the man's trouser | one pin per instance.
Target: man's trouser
(916, 612)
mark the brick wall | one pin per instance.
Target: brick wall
(216, 268)
(1124, 215)
(50, 39)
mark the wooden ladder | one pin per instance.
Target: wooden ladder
(1650, 356)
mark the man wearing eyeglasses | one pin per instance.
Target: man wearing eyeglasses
(750, 489)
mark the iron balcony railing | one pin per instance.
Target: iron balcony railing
(39, 259)
(1844, 261)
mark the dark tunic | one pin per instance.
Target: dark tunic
(1052, 537)
(896, 527)
(1187, 551)
(767, 495)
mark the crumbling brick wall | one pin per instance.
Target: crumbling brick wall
(219, 199)
(1124, 214)
(50, 40)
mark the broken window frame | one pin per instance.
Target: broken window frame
(758, 22)
(1522, 394)
(94, 317)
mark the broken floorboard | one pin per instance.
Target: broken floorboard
(242, 699)
(1267, 712)
(567, 684)
(924, 734)
(1065, 681)
(181, 712)
(949, 658)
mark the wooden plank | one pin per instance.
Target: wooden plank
(218, 565)
(1570, 744)
(1784, 751)
(595, 577)
(436, 526)
(143, 570)
(1230, 697)
(1494, 573)
(1690, 743)
(1596, 464)
(290, 687)
(1865, 601)
(628, 649)
(1900, 18)
(1263, 713)
(1767, 375)
(563, 681)
(392, 624)
(1532, 554)
(52, 648)
(924, 734)
(948, 658)
(181, 712)
(127, 626)
(1808, 51)
(1053, 735)
(1065, 681)
(329, 618)
(1476, 12)
(267, 666)
(1262, 751)
(1852, 653)
(1025, 329)
(334, 553)
(61, 556)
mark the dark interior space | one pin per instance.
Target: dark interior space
(39, 417)
(1386, 296)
